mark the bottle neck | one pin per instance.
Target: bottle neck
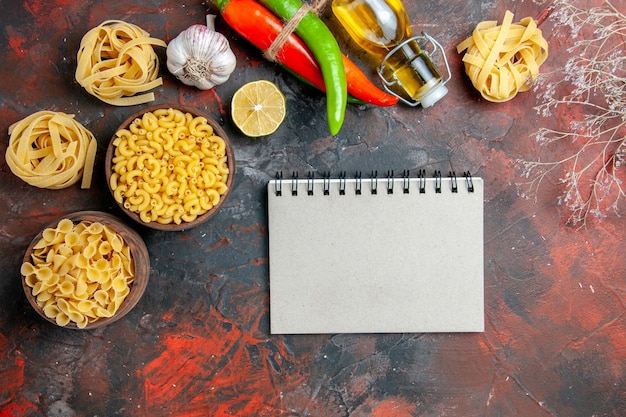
(409, 72)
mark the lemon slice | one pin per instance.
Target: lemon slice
(258, 108)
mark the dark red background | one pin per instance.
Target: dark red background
(198, 344)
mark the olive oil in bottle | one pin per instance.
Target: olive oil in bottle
(382, 28)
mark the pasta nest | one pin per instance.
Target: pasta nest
(504, 60)
(51, 150)
(116, 61)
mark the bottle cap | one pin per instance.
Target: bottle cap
(434, 96)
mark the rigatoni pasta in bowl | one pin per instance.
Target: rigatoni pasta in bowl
(170, 167)
(85, 270)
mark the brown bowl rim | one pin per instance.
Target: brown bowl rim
(229, 154)
(139, 253)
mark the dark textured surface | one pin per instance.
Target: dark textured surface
(197, 344)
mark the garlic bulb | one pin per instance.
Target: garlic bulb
(201, 57)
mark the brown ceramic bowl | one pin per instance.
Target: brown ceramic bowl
(172, 226)
(139, 255)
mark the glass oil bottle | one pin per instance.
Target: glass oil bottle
(382, 28)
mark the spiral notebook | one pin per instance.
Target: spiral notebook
(389, 254)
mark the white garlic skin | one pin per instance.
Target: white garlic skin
(201, 57)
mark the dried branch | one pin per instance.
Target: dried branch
(593, 81)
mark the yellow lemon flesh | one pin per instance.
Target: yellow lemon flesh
(258, 108)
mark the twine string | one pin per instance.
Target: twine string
(290, 27)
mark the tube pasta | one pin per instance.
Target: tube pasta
(195, 123)
(51, 150)
(152, 189)
(149, 121)
(218, 145)
(174, 176)
(74, 288)
(116, 62)
(504, 60)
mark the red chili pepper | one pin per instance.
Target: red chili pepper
(260, 27)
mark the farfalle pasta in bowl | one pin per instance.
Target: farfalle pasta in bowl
(170, 167)
(85, 270)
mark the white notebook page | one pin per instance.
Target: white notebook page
(375, 263)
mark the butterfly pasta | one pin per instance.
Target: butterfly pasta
(79, 272)
(116, 61)
(51, 150)
(504, 60)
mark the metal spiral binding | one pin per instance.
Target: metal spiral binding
(358, 182)
(326, 176)
(469, 182)
(342, 183)
(422, 180)
(294, 183)
(309, 183)
(438, 182)
(374, 182)
(405, 181)
(390, 182)
(452, 176)
(278, 184)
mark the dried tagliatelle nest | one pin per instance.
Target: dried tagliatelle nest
(116, 62)
(51, 150)
(502, 60)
